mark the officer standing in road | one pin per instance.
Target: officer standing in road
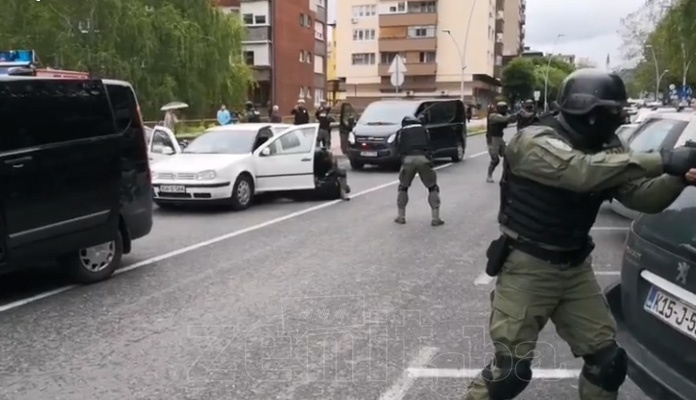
(323, 116)
(527, 115)
(300, 113)
(556, 175)
(497, 122)
(413, 142)
(252, 114)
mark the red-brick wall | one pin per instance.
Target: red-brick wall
(289, 39)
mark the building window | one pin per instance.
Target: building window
(260, 19)
(319, 30)
(248, 19)
(427, 57)
(364, 11)
(305, 21)
(309, 58)
(249, 57)
(321, 3)
(421, 31)
(400, 7)
(363, 58)
(422, 7)
(363, 35)
(302, 56)
(387, 57)
(318, 64)
(318, 96)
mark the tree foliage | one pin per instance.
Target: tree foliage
(523, 76)
(168, 49)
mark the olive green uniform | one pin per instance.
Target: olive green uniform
(494, 137)
(529, 291)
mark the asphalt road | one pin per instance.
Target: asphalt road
(286, 300)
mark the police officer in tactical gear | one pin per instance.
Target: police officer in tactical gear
(498, 120)
(413, 142)
(328, 173)
(252, 114)
(556, 174)
(527, 115)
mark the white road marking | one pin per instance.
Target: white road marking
(610, 228)
(205, 243)
(400, 388)
(608, 273)
(559, 373)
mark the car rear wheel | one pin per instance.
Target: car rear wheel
(459, 156)
(96, 263)
(357, 165)
(242, 193)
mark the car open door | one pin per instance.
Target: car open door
(348, 118)
(163, 144)
(286, 162)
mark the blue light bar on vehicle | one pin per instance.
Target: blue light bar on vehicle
(17, 56)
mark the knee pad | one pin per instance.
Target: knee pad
(515, 375)
(434, 188)
(403, 188)
(606, 368)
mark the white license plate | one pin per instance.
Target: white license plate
(672, 311)
(173, 189)
(368, 153)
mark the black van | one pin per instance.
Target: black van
(371, 138)
(75, 182)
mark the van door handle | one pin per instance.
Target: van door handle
(19, 162)
(306, 159)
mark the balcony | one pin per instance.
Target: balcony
(498, 48)
(414, 19)
(499, 25)
(412, 69)
(497, 72)
(500, 5)
(408, 44)
(258, 34)
(417, 84)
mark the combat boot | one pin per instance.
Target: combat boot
(401, 216)
(489, 178)
(436, 220)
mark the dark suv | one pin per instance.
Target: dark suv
(371, 138)
(75, 175)
(654, 303)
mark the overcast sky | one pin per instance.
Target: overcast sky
(589, 26)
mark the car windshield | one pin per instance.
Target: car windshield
(653, 133)
(223, 142)
(385, 113)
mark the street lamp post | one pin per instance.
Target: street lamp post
(461, 50)
(658, 77)
(659, 80)
(546, 75)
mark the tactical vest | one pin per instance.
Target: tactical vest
(544, 214)
(254, 116)
(414, 140)
(496, 125)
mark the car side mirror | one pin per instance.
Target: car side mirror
(266, 152)
(167, 151)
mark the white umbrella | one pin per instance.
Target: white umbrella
(176, 105)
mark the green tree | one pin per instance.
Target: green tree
(518, 79)
(168, 49)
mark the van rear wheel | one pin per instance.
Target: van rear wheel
(96, 263)
(459, 156)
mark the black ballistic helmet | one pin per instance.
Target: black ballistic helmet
(586, 89)
(410, 120)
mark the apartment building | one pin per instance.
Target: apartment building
(434, 39)
(286, 48)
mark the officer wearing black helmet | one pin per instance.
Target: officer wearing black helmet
(498, 120)
(252, 114)
(527, 115)
(556, 174)
(413, 142)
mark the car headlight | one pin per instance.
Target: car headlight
(206, 175)
(351, 138)
(391, 138)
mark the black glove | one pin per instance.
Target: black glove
(680, 160)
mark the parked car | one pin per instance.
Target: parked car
(660, 131)
(233, 163)
(372, 137)
(626, 131)
(654, 303)
(75, 182)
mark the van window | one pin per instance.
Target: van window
(441, 112)
(44, 112)
(123, 106)
(386, 113)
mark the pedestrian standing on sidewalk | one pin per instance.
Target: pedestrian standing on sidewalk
(276, 118)
(223, 115)
(300, 113)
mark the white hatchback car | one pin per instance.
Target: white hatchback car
(161, 143)
(231, 164)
